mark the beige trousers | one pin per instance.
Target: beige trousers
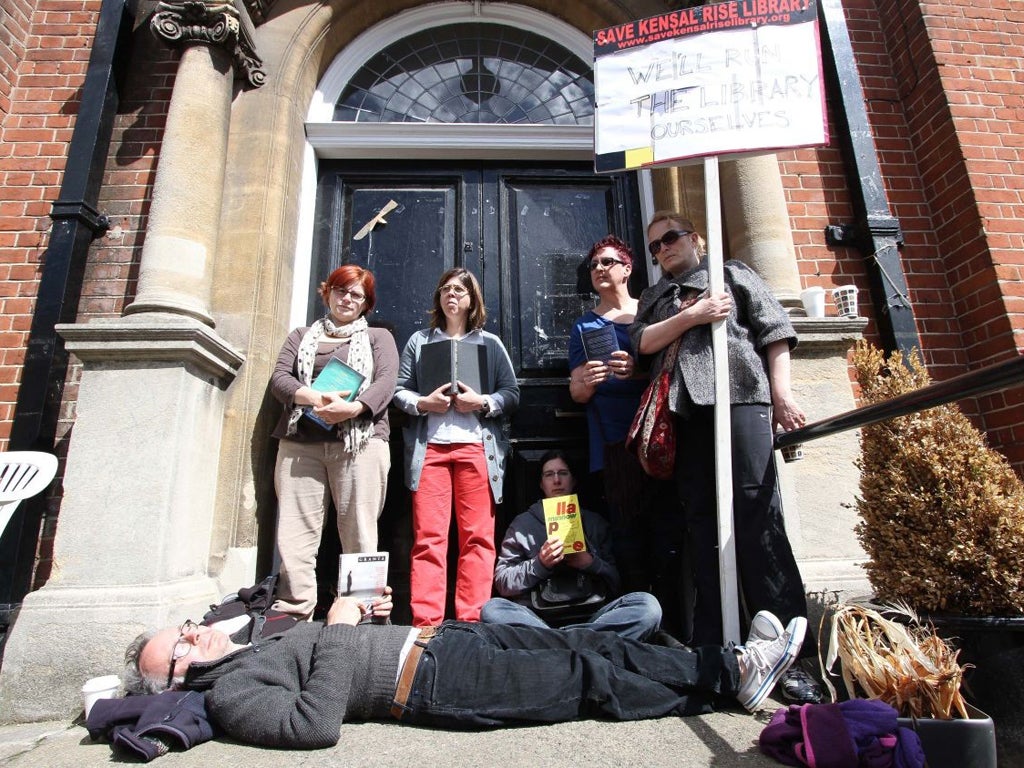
(306, 477)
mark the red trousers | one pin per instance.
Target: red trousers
(459, 472)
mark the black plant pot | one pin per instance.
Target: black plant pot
(995, 646)
(956, 743)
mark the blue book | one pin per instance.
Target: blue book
(336, 376)
(600, 343)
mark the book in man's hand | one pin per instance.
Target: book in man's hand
(336, 376)
(450, 361)
(363, 575)
(564, 520)
(600, 343)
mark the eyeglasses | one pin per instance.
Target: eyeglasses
(356, 296)
(605, 261)
(551, 474)
(453, 288)
(181, 647)
(667, 239)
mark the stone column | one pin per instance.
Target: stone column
(757, 223)
(177, 256)
(132, 546)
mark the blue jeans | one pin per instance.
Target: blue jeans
(636, 616)
(484, 675)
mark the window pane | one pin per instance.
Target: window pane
(471, 73)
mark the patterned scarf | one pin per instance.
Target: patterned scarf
(354, 433)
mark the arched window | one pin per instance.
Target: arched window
(471, 73)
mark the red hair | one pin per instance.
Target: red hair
(347, 274)
(624, 252)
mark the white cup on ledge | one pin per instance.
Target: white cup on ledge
(813, 299)
(845, 298)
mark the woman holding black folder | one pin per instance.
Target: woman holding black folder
(334, 440)
(455, 449)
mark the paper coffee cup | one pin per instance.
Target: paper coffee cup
(97, 688)
(813, 299)
(845, 298)
(792, 453)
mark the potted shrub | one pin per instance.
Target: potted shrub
(942, 523)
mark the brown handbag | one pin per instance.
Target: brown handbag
(652, 435)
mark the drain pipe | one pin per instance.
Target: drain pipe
(76, 223)
(876, 232)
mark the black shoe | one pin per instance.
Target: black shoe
(799, 687)
(661, 637)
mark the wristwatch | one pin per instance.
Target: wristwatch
(486, 406)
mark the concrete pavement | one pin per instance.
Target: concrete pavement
(721, 740)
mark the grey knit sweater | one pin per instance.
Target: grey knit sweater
(295, 689)
(756, 320)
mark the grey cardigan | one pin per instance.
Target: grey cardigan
(504, 398)
(295, 689)
(756, 320)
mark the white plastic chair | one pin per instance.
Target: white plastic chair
(23, 474)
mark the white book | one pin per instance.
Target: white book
(363, 575)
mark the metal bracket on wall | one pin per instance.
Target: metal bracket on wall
(82, 212)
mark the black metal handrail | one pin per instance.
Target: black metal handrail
(991, 378)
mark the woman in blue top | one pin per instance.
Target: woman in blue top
(607, 387)
(648, 530)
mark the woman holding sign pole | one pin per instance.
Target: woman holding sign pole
(760, 337)
(455, 449)
(334, 434)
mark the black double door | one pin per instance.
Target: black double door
(523, 230)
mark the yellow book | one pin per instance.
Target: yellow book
(564, 520)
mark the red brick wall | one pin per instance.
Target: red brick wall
(12, 49)
(978, 49)
(53, 41)
(945, 97)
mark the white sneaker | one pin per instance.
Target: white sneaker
(762, 662)
(764, 626)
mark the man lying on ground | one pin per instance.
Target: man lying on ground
(295, 689)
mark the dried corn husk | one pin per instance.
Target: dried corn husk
(903, 663)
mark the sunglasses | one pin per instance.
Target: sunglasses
(605, 261)
(667, 239)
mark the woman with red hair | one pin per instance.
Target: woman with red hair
(342, 454)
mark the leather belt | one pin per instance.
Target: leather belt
(408, 673)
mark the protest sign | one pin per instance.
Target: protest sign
(733, 77)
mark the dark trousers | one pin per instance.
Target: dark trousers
(484, 675)
(768, 574)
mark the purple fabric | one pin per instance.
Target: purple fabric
(779, 738)
(827, 741)
(909, 751)
(859, 733)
